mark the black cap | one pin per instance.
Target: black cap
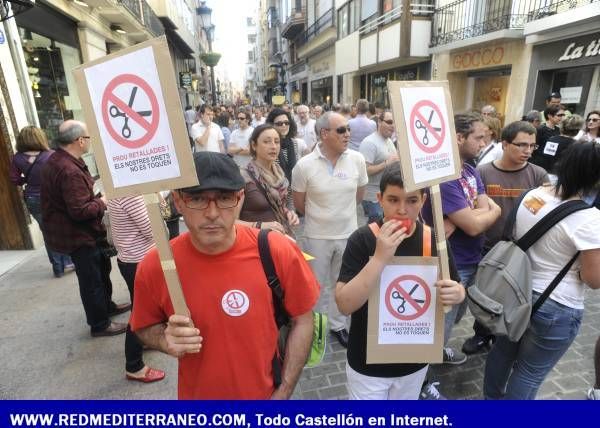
(216, 171)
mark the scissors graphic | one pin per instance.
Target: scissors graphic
(397, 295)
(420, 125)
(115, 112)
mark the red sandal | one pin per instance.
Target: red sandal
(152, 375)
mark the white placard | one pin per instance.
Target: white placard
(571, 95)
(429, 134)
(407, 297)
(132, 119)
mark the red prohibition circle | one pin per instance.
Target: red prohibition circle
(109, 96)
(395, 285)
(415, 115)
(236, 297)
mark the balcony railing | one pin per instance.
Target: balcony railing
(325, 21)
(294, 23)
(464, 19)
(133, 6)
(422, 8)
(152, 21)
(384, 19)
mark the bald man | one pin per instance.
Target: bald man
(72, 219)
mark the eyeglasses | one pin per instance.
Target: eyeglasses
(282, 123)
(389, 121)
(341, 129)
(201, 201)
(593, 119)
(241, 118)
(525, 146)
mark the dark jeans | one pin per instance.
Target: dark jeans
(57, 260)
(93, 274)
(133, 347)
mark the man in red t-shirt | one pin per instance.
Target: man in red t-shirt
(226, 347)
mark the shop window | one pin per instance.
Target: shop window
(574, 86)
(49, 64)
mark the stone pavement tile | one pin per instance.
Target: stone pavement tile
(311, 395)
(337, 379)
(338, 392)
(460, 390)
(571, 383)
(548, 390)
(589, 328)
(314, 383)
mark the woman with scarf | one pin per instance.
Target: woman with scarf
(267, 186)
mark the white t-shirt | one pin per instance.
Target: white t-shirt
(330, 202)
(376, 150)
(307, 133)
(256, 123)
(216, 135)
(241, 138)
(491, 154)
(577, 232)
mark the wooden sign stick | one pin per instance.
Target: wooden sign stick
(159, 231)
(440, 235)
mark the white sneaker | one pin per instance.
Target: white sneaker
(429, 391)
(593, 394)
(452, 356)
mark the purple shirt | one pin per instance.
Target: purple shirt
(21, 164)
(360, 128)
(457, 195)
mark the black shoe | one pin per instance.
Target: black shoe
(476, 344)
(119, 309)
(113, 329)
(341, 336)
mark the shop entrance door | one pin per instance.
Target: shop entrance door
(491, 90)
(14, 234)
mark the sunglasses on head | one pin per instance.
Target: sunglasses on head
(282, 123)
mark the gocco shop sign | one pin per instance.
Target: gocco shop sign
(483, 57)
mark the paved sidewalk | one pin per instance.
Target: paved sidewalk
(47, 352)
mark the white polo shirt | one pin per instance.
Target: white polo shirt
(212, 145)
(307, 133)
(330, 203)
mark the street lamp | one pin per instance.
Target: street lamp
(210, 58)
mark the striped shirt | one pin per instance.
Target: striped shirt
(130, 227)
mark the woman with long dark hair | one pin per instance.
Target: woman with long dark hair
(292, 148)
(26, 170)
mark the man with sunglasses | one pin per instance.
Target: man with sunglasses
(553, 116)
(227, 345)
(327, 184)
(379, 152)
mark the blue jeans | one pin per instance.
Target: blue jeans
(515, 371)
(58, 260)
(467, 277)
(372, 210)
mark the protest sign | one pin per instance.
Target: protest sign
(406, 322)
(139, 136)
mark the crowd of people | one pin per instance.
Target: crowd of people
(303, 171)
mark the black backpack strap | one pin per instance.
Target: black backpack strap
(549, 221)
(509, 226)
(553, 285)
(281, 316)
